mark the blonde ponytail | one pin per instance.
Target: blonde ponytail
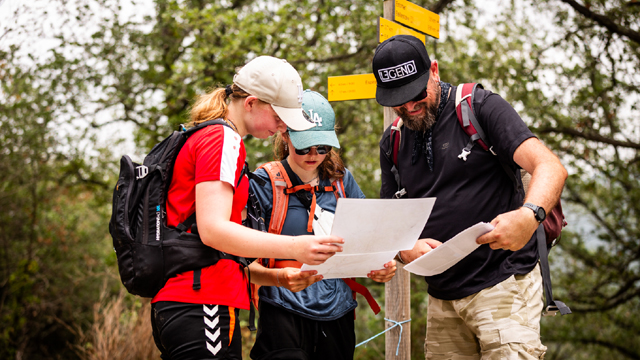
(213, 105)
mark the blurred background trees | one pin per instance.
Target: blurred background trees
(84, 81)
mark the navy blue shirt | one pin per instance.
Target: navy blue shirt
(467, 192)
(327, 299)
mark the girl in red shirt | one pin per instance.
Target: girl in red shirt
(264, 99)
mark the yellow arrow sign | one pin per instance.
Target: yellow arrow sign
(388, 28)
(352, 87)
(417, 18)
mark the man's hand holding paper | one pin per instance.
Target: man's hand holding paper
(449, 253)
(421, 247)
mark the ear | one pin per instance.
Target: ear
(434, 70)
(249, 102)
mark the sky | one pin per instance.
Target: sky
(46, 13)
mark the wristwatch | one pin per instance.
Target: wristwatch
(538, 211)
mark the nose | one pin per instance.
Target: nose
(410, 106)
(281, 126)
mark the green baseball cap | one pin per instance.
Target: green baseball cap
(321, 113)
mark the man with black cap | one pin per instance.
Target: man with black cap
(489, 304)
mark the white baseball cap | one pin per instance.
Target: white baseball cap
(276, 82)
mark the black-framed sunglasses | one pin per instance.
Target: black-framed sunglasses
(423, 95)
(320, 149)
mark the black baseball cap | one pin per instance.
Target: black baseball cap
(401, 67)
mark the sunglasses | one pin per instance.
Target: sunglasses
(423, 95)
(321, 150)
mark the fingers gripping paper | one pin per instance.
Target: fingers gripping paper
(450, 252)
(374, 230)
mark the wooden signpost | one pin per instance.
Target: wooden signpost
(357, 87)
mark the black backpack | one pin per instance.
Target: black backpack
(149, 252)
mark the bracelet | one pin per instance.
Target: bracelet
(278, 277)
(400, 258)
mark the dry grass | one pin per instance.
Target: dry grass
(119, 331)
(122, 331)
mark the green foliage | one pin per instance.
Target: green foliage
(53, 244)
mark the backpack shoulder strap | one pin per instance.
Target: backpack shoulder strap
(465, 95)
(551, 306)
(190, 222)
(190, 131)
(279, 182)
(395, 137)
(338, 188)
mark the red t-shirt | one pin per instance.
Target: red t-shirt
(211, 154)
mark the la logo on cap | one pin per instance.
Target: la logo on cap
(317, 119)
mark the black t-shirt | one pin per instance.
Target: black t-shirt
(467, 192)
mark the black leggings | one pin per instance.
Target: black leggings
(285, 335)
(184, 331)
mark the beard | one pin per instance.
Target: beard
(424, 121)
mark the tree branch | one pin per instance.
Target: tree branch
(440, 5)
(604, 21)
(627, 352)
(588, 136)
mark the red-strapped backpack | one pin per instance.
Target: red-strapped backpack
(555, 220)
(282, 188)
(465, 112)
(465, 93)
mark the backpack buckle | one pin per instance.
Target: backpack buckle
(463, 155)
(400, 193)
(142, 171)
(551, 310)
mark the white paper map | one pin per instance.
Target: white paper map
(450, 252)
(374, 230)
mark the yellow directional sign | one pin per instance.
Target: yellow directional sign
(417, 18)
(357, 87)
(352, 87)
(388, 28)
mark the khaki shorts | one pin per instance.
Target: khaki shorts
(499, 322)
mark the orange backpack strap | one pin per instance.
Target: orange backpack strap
(282, 187)
(279, 182)
(338, 188)
(287, 263)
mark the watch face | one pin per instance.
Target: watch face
(539, 212)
